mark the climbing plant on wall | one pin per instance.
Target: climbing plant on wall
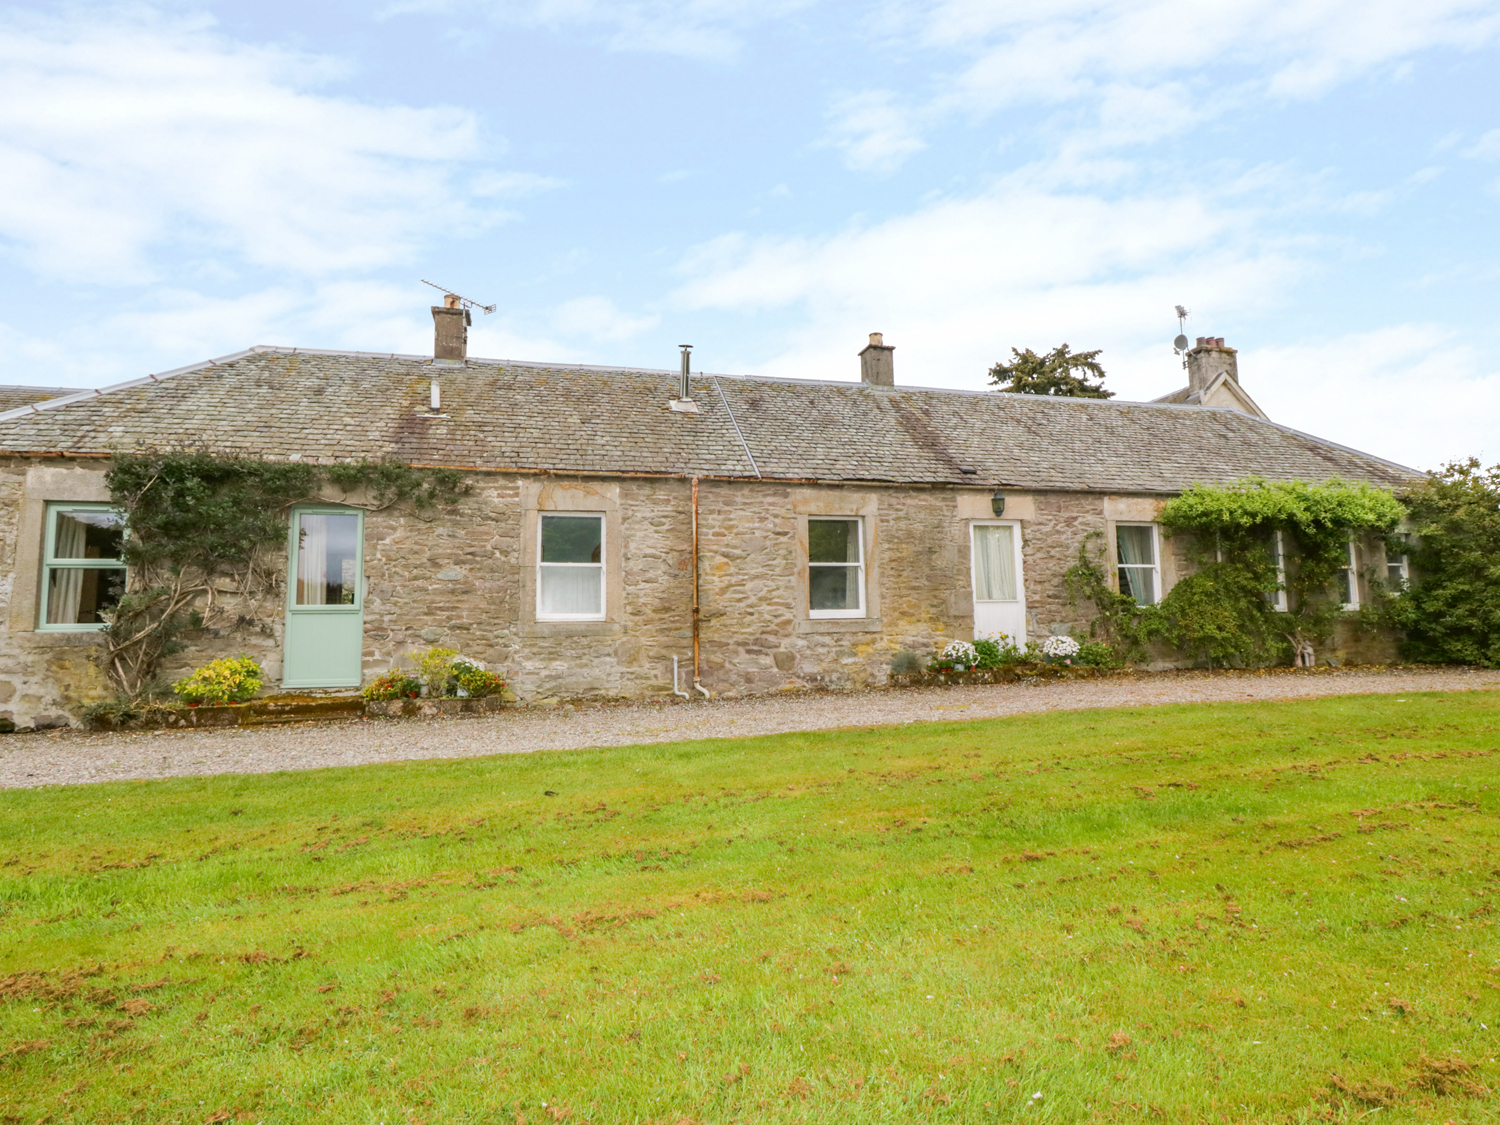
(1225, 610)
(200, 526)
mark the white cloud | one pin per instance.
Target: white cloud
(1486, 147)
(875, 134)
(1409, 392)
(124, 140)
(955, 285)
(598, 318)
(1149, 68)
(512, 184)
(189, 327)
(703, 29)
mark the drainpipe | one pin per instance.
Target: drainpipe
(696, 685)
(677, 679)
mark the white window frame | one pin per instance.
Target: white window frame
(542, 518)
(1155, 567)
(49, 564)
(859, 567)
(1278, 550)
(1352, 570)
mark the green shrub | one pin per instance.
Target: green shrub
(905, 662)
(393, 685)
(1097, 654)
(473, 679)
(1451, 610)
(434, 667)
(997, 651)
(230, 679)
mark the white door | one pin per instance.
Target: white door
(999, 592)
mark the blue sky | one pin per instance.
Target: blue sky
(1318, 181)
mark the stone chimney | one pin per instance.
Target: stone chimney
(1209, 359)
(451, 325)
(876, 366)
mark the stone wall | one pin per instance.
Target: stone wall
(465, 579)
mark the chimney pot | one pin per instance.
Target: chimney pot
(1208, 361)
(877, 365)
(450, 300)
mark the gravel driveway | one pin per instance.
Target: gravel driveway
(70, 757)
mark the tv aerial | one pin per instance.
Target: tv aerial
(463, 302)
(1180, 345)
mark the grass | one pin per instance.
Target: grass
(1257, 912)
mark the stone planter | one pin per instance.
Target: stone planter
(432, 708)
(265, 711)
(1010, 674)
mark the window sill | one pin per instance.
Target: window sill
(66, 638)
(839, 625)
(572, 629)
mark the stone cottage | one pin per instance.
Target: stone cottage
(757, 534)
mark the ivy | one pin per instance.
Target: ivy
(1119, 621)
(1224, 611)
(199, 525)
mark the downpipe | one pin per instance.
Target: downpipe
(676, 679)
(696, 685)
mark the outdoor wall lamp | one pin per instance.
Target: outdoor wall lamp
(997, 503)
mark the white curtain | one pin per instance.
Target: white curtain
(312, 560)
(572, 589)
(63, 600)
(994, 563)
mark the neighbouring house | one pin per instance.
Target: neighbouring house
(773, 533)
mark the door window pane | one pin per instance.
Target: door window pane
(327, 558)
(570, 570)
(994, 563)
(835, 580)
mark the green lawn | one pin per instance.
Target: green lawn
(1235, 912)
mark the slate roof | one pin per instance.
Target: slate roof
(505, 414)
(12, 397)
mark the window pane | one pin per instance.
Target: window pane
(1395, 573)
(1346, 591)
(833, 541)
(76, 595)
(833, 587)
(1135, 546)
(572, 539)
(327, 558)
(88, 535)
(572, 590)
(1138, 582)
(994, 563)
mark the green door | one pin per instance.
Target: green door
(325, 620)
